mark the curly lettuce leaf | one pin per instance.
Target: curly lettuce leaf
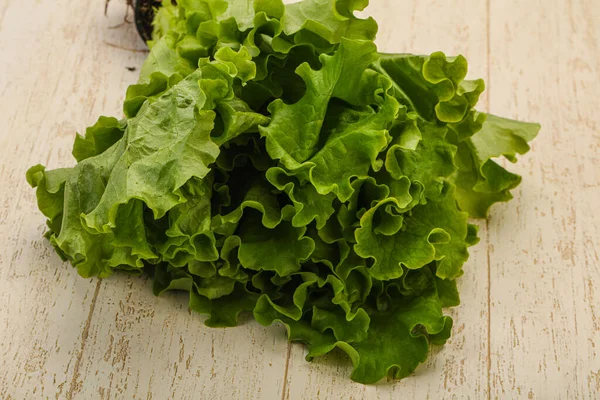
(480, 181)
(272, 161)
(433, 86)
(436, 230)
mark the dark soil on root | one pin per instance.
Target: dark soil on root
(144, 14)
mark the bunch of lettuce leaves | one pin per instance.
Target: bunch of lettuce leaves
(272, 161)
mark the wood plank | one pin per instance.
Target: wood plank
(457, 370)
(544, 245)
(141, 346)
(56, 77)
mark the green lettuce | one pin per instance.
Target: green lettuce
(272, 161)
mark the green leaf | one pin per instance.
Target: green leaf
(294, 131)
(393, 347)
(330, 19)
(189, 236)
(433, 231)
(98, 138)
(224, 311)
(308, 204)
(480, 181)
(167, 143)
(238, 118)
(258, 242)
(433, 86)
(428, 164)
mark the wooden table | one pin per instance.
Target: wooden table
(529, 326)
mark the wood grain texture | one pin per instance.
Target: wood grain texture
(143, 347)
(529, 325)
(544, 245)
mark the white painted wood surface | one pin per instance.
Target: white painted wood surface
(529, 325)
